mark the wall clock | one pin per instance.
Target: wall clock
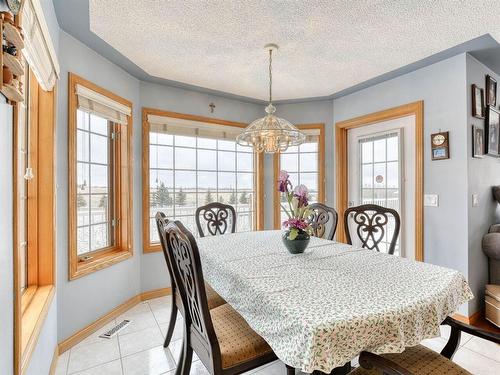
(440, 146)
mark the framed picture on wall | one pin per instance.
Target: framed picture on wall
(492, 128)
(477, 142)
(491, 91)
(477, 102)
(440, 146)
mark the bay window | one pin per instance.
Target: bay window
(191, 161)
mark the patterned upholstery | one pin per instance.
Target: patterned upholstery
(419, 360)
(213, 299)
(238, 342)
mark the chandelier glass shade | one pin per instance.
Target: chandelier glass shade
(270, 134)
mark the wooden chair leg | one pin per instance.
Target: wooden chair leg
(290, 370)
(171, 325)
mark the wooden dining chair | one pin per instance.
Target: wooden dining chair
(220, 337)
(323, 221)
(214, 300)
(371, 222)
(215, 218)
(420, 359)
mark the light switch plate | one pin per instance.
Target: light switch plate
(475, 200)
(431, 200)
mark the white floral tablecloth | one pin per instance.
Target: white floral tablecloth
(320, 309)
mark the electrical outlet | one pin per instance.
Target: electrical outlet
(431, 200)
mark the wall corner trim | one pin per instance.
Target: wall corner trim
(53, 364)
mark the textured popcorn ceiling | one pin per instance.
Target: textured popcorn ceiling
(325, 46)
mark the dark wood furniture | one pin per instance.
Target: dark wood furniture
(421, 360)
(217, 219)
(323, 221)
(214, 300)
(371, 222)
(220, 337)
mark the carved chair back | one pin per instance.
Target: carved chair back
(371, 222)
(184, 256)
(215, 219)
(161, 223)
(323, 221)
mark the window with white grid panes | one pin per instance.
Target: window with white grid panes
(186, 172)
(381, 176)
(302, 164)
(95, 171)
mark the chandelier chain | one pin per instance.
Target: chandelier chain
(270, 75)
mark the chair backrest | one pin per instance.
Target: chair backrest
(215, 218)
(323, 221)
(161, 224)
(184, 256)
(371, 222)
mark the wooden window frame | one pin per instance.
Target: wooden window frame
(122, 248)
(321, 171)
(259, 171)
(31, 306)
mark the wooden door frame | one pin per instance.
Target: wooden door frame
(342, 164)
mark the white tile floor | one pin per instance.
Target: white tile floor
(138, 349)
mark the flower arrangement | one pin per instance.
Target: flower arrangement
(298, 207)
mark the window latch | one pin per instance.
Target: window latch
(85, 258)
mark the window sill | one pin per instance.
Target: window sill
(32, 321)
(152, 248)
(99, 262)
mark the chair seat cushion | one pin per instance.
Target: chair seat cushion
(238, 342)
(419, 360)
(214, 300)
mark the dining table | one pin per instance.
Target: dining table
(318, 310)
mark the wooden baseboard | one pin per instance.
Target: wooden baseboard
(155, 293)
(53, 364)
(473, 319)
(102, 321)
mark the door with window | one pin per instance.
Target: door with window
(382, 172)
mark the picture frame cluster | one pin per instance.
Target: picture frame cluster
(486, 141)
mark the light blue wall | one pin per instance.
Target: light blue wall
(82, 301)
(7, 243)
(442, 87)
(482, 175)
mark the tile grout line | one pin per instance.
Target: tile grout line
(476, 352)
(67, 363)
(163, 338)
(91, 367)
(119, 350)
(167, 348)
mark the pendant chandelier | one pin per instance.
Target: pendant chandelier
(270, 134)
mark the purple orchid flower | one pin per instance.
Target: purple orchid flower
(295, 223)
(302, 194)
(283, 182)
